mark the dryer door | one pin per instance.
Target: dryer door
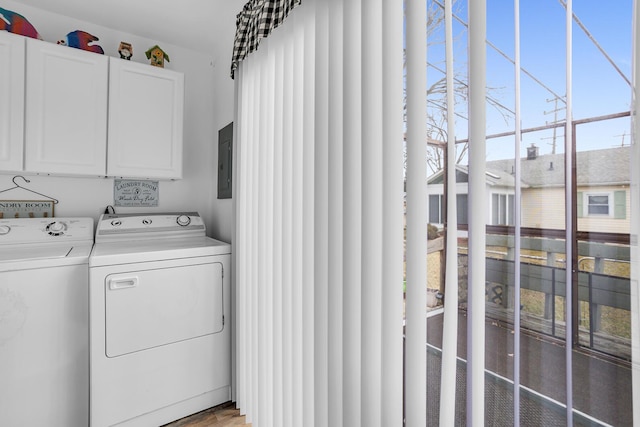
(158, 307)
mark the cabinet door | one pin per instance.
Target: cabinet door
(66, 110)
(12, 49)
(145, 121)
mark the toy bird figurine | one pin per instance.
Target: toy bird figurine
(18, 24)
(81, 40)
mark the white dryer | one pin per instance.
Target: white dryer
(160, 343)
(44, 321)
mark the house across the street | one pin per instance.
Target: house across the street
(603, 202)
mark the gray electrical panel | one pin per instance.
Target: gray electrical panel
(225, 149)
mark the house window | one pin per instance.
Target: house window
(598, 204)
(610, 204)
(436, 209)
(502, 209)
(462, 204)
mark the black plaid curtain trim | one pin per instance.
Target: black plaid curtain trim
(255, 22)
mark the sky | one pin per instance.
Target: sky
(597, 88)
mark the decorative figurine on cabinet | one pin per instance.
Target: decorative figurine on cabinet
(157, 56)
(18, 24)
(81, 40)
(125, 50)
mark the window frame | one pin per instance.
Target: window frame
(505, 206)
(587, 211)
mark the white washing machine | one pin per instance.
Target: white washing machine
(44, 321)
(160, 341)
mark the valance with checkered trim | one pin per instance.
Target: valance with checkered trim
(256, 21)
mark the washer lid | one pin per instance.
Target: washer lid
(18, 253)
(32, 256)
(115, 253)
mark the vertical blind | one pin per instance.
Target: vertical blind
(569, 222)
(477, 221)
(635, 211)
(416, 328)
(319, 219)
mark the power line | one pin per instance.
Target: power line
(622, 135)
(597, 45)
(504, 55)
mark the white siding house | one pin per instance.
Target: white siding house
(603, 198)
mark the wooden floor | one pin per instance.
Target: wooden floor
(220, 416)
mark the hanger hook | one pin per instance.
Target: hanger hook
(19, 176)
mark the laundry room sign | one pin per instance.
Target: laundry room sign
(26, 208)
(135, 193)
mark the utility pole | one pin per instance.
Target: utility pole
(555, 121)
(622, 135)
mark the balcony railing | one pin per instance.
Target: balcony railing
(603, 288)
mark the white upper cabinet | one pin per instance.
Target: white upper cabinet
(12, 57)
(66, 110)
(146, 106)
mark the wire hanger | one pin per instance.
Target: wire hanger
(55, 201)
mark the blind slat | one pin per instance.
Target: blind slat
(287, 237)
(310, 99)
(450, 325)
(477, 221)
(320, 299)
(336, 211)
(297, 219)
(352, 173)
(372, 221)
(416, 294)
(278, 226)
(393, 212)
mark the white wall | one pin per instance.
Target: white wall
(223, 113)
(208, 107)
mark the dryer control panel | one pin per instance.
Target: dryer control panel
(121, 227)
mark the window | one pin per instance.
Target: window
(610, 204)
(436, 209)
(598, 204)
(502, 209)
(462, 201)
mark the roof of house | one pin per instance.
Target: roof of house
(494, 177)
(609, 166)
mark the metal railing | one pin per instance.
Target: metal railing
(545, 272)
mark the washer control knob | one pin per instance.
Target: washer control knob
(56, 228)
(116, 223)
(4, 229)
(183, 220)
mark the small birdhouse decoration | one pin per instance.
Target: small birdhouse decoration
(125, 50)
(157, 56)
(81, 40)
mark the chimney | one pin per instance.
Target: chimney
(532, 152)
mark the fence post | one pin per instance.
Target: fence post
(596, 309)
(548, 298)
